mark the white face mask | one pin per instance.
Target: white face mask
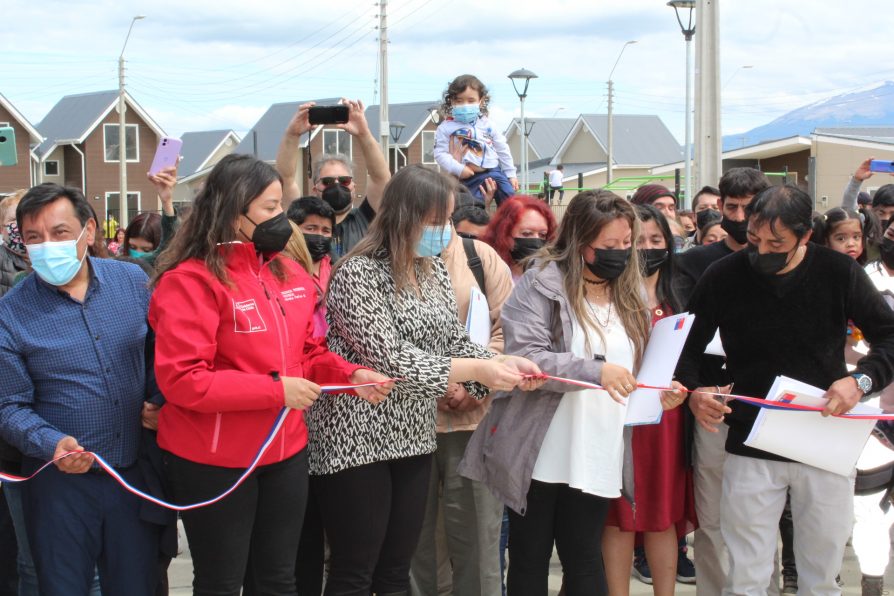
(56, 262)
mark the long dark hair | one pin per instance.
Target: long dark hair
(146, 226)
(231, 186)
(412, 196)
(587, 214)
(665, 291)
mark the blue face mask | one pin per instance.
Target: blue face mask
(434, 240)
(56, 262)
(467, 114)
(138, 254)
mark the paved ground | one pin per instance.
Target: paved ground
(180, 576)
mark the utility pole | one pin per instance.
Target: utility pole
(122, 137)
(384, 125)
(708, 138)
(611, 127)
(611, 134)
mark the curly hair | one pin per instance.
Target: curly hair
(457, 86)
(499, 231)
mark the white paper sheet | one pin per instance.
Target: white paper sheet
(832, 444)
(662, 353)
(715, 348)
(478, 320)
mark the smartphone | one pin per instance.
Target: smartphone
(879, 165)
(7, 146)
(328, 114)
(167, 154)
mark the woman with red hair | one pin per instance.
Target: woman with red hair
(519, 228)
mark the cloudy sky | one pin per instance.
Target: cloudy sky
(207, 64)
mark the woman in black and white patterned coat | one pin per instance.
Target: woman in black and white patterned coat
(391, 307)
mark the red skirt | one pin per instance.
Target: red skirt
(662, 481)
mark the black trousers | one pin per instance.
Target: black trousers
(311, 547)
(574, 521)
(258, 525)
(373, 516)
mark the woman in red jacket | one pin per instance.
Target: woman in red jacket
(234, 344)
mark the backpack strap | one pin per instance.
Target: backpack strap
(475, 263)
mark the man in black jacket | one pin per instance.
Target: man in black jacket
(782, 307)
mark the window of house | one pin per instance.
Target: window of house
(113, 206)
(51, 168)
(131, 140)
(337, 141)
(428, 146)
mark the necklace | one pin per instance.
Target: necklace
(596, 317)
(596, 282)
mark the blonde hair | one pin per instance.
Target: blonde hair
(11, 202)
(587, 214)
(296, 249)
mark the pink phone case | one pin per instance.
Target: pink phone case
(167, 154)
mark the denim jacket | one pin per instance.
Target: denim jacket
(537, 324)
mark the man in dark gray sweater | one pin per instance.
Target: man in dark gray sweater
(782, 306)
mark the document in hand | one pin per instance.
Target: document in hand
(832, 443)
(478, 319)
(662, 352)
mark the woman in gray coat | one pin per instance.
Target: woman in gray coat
(557, 456)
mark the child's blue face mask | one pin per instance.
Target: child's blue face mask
(467, 113)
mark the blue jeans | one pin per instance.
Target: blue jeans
(504, 187)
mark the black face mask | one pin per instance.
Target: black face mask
(525, 247)
(738, 230)
(610, 263)
(884, 223)
(652, 259)
(338, 197)
(318, 245)
(271, 235)
(769, 263)
(886, 248)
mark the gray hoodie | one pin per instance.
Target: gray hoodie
(537, 324)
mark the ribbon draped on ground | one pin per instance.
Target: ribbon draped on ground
(754, 401)
(277, 425)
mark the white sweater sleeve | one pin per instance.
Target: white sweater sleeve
(442, 152)
(503, 153)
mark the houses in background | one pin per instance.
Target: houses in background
(822, 162)
(76, 144)
(80, 148)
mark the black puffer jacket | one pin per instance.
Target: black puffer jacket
(11, 264)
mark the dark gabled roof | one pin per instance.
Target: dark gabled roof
(74, 117)
(547, 134)
(198, 147)
(638, 139)
(268, 131)
(413, 115)
(35, 136)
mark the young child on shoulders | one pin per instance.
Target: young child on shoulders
(468, 146)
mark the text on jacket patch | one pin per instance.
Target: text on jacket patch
(294, 294)
(247, 318)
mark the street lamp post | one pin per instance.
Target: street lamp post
(122, 137)
(688, 32)
(518, 78)
(611, 128)
(396, 128)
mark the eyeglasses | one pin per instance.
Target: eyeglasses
(328, 181)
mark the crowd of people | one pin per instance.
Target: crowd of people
(406, 350)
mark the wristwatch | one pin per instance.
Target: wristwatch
(864, 383)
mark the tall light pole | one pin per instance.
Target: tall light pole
(611, 126)
(688, 32)
(122, 137)
(383, 77)
(519, 77)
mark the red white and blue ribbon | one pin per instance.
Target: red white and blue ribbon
(274, 431)
(754, 401)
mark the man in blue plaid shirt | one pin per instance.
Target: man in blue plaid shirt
(75, 377)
